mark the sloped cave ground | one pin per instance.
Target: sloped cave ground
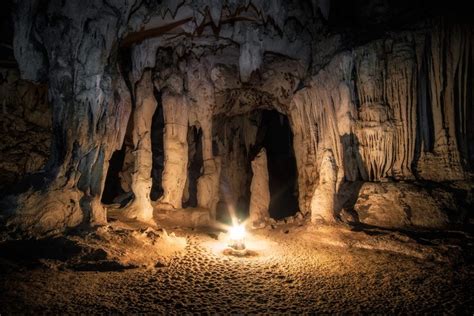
(295, 268)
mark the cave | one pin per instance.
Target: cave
(236, 157)
(239, 139)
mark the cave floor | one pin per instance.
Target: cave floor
(290, 272)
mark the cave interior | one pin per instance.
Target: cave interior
(135, 133)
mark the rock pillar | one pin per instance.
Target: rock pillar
(259, 190)
(140, 208)
(175, 145)
(322, 202)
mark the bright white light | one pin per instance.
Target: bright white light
(237, 232)
(236, 237)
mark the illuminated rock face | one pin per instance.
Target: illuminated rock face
(322, 202)
(141, 208)
(403, 205)
(390, 107)
(259, 190)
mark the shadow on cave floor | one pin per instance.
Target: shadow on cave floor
(459, 238)
(53, 253)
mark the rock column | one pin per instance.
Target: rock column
(259, 190)
(322, 202)
(208, 183)
(175, 143)
(140, 208)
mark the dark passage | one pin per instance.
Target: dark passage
(112, 187)
(158, 153)
(195, 162)
(277, 139)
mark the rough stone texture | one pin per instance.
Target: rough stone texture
(322, 203)
(259, 190)
(176, 150)
(406, 205)
(234, 137)
(392, 106)
(25, 128)
(208, 186)
(140, 207)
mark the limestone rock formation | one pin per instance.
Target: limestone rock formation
(176, 150)
(25, 126)
(384, 105)
(259, 190)
(140, 207)
(323, 200)
(208, 186)
(407, 205)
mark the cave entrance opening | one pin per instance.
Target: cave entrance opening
(275, 135)
(238, 140)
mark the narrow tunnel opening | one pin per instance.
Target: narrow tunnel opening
(277, 139)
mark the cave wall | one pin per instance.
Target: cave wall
(390, 110)
(26, 128)
(392, 106)
(369, 107)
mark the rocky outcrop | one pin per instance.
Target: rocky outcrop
(375, 110)
(411, 205)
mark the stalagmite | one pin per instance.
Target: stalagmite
(208, 185)
(141, 208)
(323, 200)
(259, 190)
(175, 145)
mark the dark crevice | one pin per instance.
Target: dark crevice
(112, 187)
(276, 137)
(158, 153)
(195, 164)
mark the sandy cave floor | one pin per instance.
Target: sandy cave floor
(292, 272)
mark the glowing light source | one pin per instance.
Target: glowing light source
(237, 237)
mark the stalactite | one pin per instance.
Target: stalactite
(445, 64)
